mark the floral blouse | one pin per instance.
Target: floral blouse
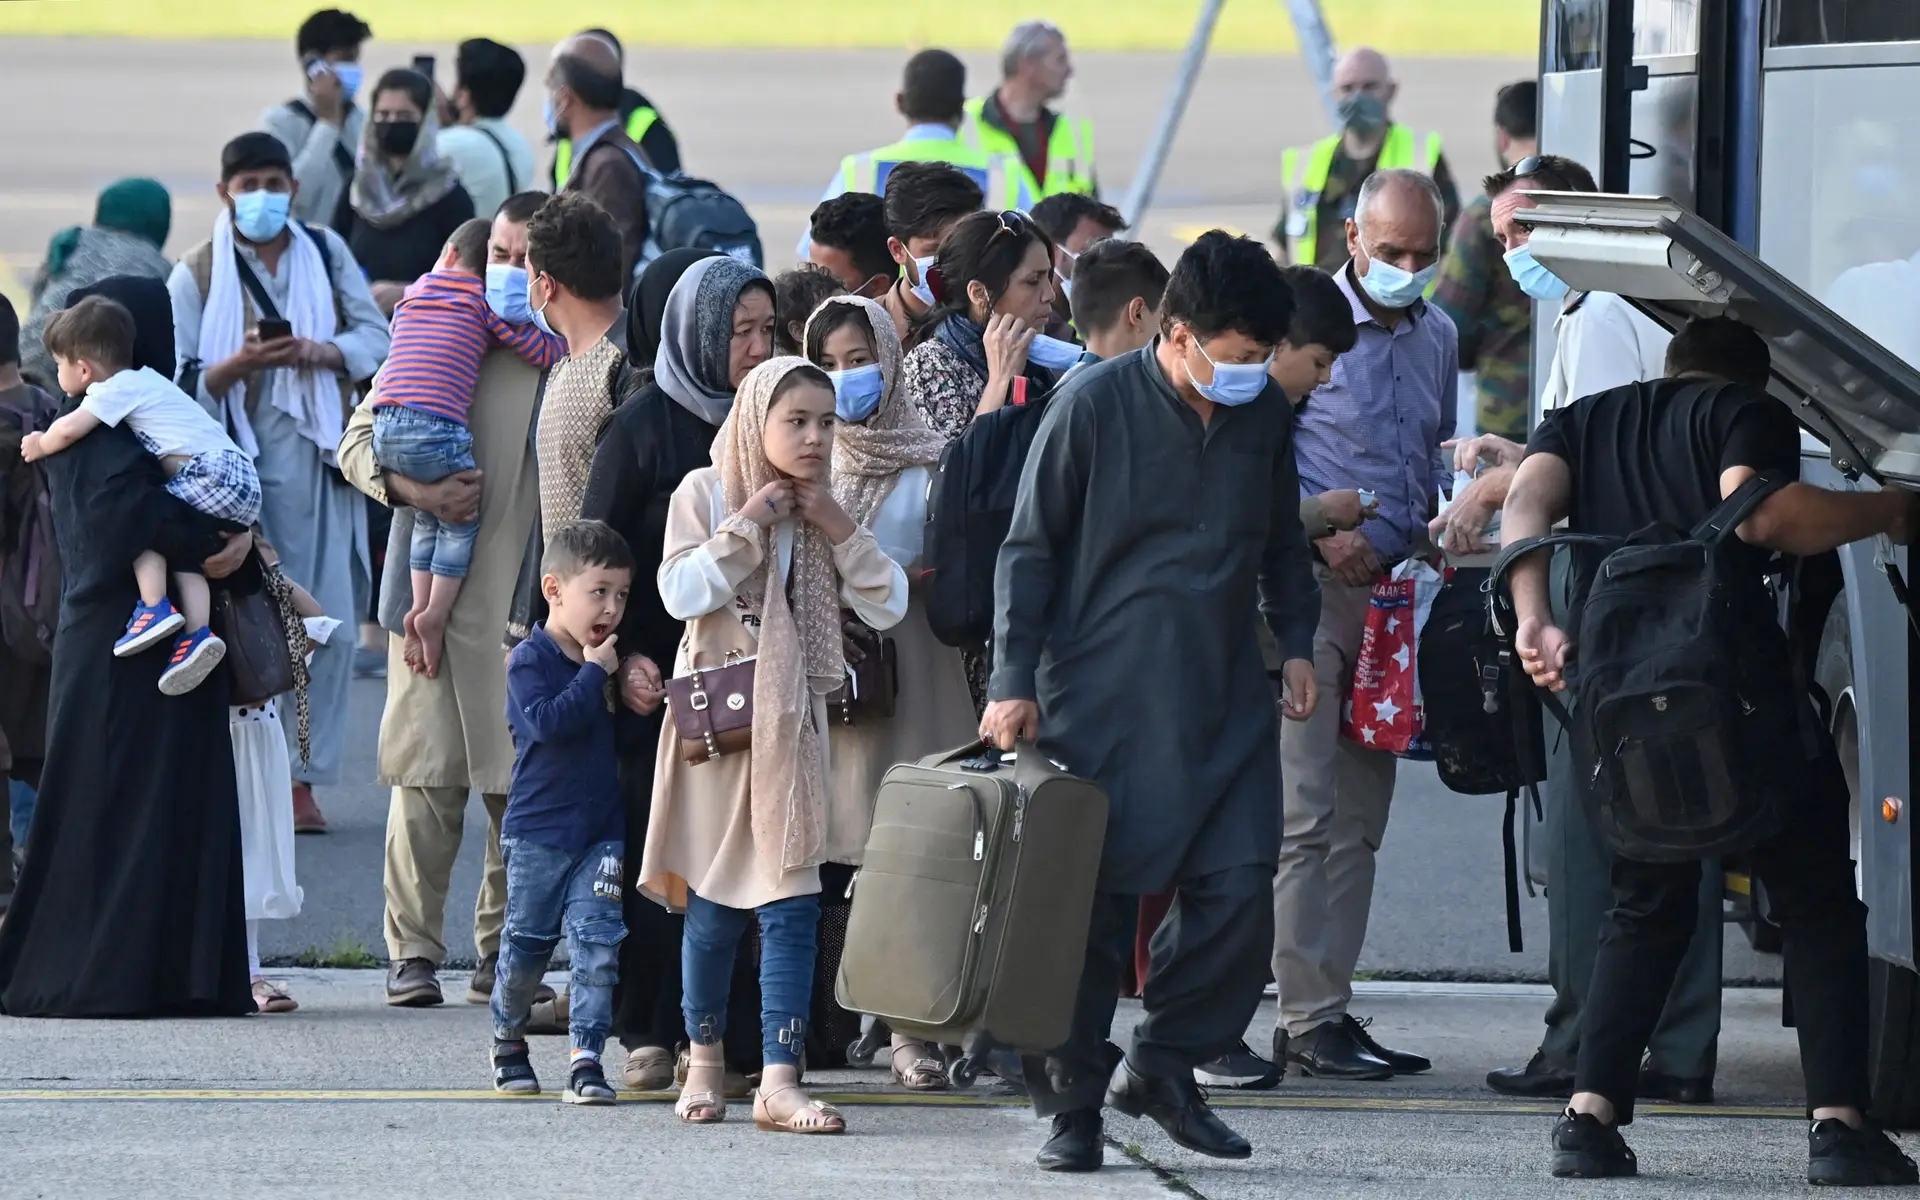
(945, 387)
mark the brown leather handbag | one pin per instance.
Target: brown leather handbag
(872, 687)
(259, 661)
(712, 709)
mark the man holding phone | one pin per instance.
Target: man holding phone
(322, 125)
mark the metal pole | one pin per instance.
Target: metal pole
(1316, 46)
(1140, 195)
(1616, 98)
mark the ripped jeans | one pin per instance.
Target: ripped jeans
(789, 942)
(548, 892)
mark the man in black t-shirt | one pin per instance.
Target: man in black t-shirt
(1668, 451)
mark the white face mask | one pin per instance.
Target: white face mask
(922, 290)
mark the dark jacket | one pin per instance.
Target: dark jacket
(410, 249)
(609, 174)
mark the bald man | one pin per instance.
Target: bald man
(1322, 180)
(584, 95)
(638, 117)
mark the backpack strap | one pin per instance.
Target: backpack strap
(1727, 516)
(1512, 864)
(342, 157)
(506, 160)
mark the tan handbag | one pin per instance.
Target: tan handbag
(712, 709)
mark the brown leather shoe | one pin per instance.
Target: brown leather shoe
(306, 814)
(412, 983)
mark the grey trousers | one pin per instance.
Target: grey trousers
(1579, 893)
(1208, 970)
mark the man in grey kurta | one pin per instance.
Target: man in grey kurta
(312, 517)
(1158, 499)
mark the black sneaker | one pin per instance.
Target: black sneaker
(1840, 1156)
(587, 1084)
(1583, 1148)
(513, 1070)
(1239, 1069)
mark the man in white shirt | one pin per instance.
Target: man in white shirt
(321, 127)
(492, 160)
(1600, 342)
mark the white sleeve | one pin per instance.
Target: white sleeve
(111, 405)
(188, 305)
(1605, 350)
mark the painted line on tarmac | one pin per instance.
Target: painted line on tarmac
(1363, 1104)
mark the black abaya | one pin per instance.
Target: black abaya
(131, 901)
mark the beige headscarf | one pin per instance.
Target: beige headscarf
(869, 456)
(800, 653)
(384, 198)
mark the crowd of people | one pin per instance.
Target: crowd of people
(612, 472)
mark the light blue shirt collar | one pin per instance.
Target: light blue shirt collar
(930, 131)
(585, 142)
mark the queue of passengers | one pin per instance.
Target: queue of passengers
(629, 471)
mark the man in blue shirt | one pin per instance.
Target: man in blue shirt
(562, 837)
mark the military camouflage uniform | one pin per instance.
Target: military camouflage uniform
(1494, 317)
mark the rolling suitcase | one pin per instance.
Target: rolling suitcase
(969, 920)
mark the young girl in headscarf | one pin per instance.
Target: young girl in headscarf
(882, 452)
(760, 559)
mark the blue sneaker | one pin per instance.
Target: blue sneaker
(148, 627)
(195, 656)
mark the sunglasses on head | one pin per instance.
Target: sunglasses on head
(1011, 221)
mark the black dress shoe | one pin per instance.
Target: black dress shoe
(1583, 1148)
(1402, 1062)
(1537, 1079)
(1330, 1052)
(1176, 1103)
(1657, 1085)
(1077, 1143)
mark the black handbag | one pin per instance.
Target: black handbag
(259, 661)
(873, 684)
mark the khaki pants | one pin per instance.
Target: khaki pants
(423, 838)
(1335, 800)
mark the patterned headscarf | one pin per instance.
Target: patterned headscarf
(800, 653)
(384, 198)
(696, 335)
(868, 456)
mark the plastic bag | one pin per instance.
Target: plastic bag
(1384, 709)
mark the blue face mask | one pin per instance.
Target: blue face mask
(1393, 287)
(261, 216)
(507, 293)
(1052, 353)
(348, 74)
(1534, 278)
(547, 118)
(539, 318)
(1233, 384)
(922, 290)
(856, 391)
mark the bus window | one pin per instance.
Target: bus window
(1829, 22)
(1574, 31)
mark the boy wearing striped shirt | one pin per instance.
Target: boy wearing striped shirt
(441, 330)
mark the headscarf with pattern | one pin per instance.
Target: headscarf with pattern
(869, 455)
(800, 653)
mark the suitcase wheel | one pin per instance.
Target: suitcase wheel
(962, 1073)
(873, 1035)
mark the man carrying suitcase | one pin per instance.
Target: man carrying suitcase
(1125, 649)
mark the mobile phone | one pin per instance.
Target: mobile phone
(272, 330)
(423, 63)
(316, 67)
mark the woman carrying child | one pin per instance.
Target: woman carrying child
(760, 559)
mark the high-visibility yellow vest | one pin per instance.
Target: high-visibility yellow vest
(1305, 176)
(641, 120)
(997, 176)
(1069, 151)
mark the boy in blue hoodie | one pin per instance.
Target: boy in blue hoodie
(562, 837)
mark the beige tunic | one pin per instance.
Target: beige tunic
(451, 730)
(579, 401)
(700, 834)
(934, 711)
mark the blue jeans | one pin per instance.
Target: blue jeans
(428, 448)
(789, 941)
(547, 889)
(20, 802)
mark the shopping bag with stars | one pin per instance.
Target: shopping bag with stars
(1383, 710)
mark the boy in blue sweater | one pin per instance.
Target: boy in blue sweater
(562, 838)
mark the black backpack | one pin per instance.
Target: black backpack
(688, 213)
(969, 510)
(1483, 713)
(1687, 741)
(30, 577)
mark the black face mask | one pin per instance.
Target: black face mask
(397, 137)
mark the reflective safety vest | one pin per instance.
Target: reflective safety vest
(998, 177)
(1305, 177)
(641, 120)
(1069, 151)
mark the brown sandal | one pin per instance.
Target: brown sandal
(812, 1117)
(923, 1073)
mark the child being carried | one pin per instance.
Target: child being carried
(441, 331)
(92, 343)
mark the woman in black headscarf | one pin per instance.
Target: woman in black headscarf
(652, 441)
(131, 901)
